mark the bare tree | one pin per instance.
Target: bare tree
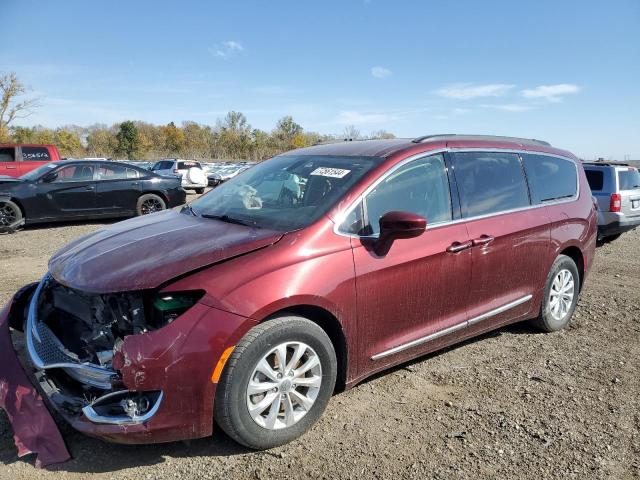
(350, 132)
(11, 106)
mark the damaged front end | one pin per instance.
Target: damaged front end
(72, 338)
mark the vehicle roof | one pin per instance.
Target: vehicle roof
(389, 147)
(607, 164)
(85, 160)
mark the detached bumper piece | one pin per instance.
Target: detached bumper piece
(34, 429)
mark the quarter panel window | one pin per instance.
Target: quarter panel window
(550, 178)
(420, 187)
(489, 182)
(629, 179)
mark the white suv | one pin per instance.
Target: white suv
(193, 176)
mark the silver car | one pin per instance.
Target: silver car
(616, 186)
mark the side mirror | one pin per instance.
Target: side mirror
(49, 177)
(396, 226)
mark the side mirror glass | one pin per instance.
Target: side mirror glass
(397, 226)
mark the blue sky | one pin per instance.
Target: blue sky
(564, 71)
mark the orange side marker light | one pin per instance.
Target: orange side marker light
(215, 377)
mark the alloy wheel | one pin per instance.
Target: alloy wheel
(8, 215)
(150, 205)
(284, 385)
(561, 294)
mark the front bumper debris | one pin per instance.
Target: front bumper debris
(34, 429)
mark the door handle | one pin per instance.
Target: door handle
(456, 247)
(90, 187)
(482, 240)
(11, 167)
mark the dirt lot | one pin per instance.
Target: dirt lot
(512, 404)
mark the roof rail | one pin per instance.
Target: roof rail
(454, 136)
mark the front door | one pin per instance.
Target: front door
(72, 193)
(417, 292)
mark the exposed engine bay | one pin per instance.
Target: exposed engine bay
(72, 337)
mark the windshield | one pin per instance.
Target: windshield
(38, 172)
(285, 193)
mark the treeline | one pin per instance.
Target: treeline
(230, 138)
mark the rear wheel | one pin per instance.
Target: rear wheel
(276, 383)
(10, 215)
(150, 203)
(560, 295)
(200, 191)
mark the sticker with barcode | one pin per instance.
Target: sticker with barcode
(330, 172)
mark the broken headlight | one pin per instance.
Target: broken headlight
(169, 306)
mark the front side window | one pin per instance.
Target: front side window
(285, 193)
(489, 182)
(74, 173)
(629, 179)
(420, 187)
(7, 155)
(550, 178)
(37, 154)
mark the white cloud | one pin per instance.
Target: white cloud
(553, 93)
(510, 107)
(380, 72)
(351, 117)
(466, 91)
(226, 49)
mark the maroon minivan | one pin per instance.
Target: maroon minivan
(306, 273)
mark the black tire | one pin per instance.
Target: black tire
(10, 216)
(231, 409)
(546, 321)
(150, 203)
(611, 238)
(200, 191)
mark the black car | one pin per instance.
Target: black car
(82, 189)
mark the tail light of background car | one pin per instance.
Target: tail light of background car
(615, 203)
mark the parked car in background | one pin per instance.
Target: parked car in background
(18, 159)
(242, 307)
(226, 172)
(191, 172)
(616, 186)
(83, 189)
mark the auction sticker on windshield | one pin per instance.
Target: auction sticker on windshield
(330, 172)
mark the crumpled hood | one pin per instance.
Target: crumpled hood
(148, 251)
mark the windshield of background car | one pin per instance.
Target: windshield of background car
(40, 171)
(287, 192)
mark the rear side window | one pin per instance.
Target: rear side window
(112, 172)
(7, 155)
(550, 178)
(629, 179)
(595, 179)
(489, 182)
(35, 154)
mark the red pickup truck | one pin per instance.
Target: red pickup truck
(18, 159)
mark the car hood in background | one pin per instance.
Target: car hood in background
(147, 251)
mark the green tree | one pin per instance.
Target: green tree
(128, 140)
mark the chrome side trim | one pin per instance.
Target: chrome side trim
(453, 328)
(93, 416)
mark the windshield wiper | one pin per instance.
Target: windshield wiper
(228, 219)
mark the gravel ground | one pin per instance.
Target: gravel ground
(511, 404)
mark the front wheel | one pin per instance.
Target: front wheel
(149, 203)
(276, 383)
(560, 295)
(10, 215)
